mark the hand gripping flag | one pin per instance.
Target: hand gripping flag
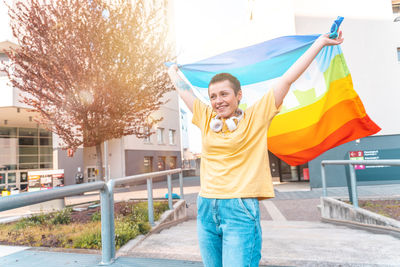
(321, 110)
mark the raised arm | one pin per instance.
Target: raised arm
(183, 88)
(282, 86)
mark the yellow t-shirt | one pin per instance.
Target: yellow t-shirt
(236, 164)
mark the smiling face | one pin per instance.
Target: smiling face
(223, 99)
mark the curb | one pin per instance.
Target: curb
(337, 212)
(375, 229)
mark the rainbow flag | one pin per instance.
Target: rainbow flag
(321, 110)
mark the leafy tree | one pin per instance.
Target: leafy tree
(93, 69)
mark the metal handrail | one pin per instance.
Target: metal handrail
(353, 180)
(106, 202)
(30, 198)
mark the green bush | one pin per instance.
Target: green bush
(144, 227)
(135, 221)
(96, 217)
(124, 231)
(140, 214)
(22, 224)
(61, 217)
(91, 239)
(32, 221)
(159, 208)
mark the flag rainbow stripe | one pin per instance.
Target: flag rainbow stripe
(321, 110)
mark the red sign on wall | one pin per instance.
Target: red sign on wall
(357, 155)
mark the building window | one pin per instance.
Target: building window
(161, 164)
(148, 164)
(25, 148)
(21, 150)
(396, 6)
(12, 178)
(3, 58)
(171, 137)
(398, 54)
(396, 10)
(172, 163)
(147, 139)
(160, 135)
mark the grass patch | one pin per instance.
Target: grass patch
(385, 207)
(70, 229)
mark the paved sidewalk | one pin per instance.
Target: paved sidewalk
(287, 243)
(292, 232)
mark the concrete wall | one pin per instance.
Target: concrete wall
(370, 50)
(116, 158)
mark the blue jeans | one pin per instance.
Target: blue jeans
(229, 231)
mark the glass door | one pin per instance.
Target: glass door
(2, 180)
(11, 180)
(23, 181)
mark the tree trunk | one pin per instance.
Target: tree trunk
(99, 162)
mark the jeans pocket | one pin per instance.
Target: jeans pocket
(248, 207)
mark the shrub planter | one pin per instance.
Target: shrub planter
(168, 219)
(80, 229)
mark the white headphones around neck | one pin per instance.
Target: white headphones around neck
(216, 123)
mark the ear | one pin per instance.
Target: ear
(239, 95)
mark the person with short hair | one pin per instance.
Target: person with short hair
(234, 172)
